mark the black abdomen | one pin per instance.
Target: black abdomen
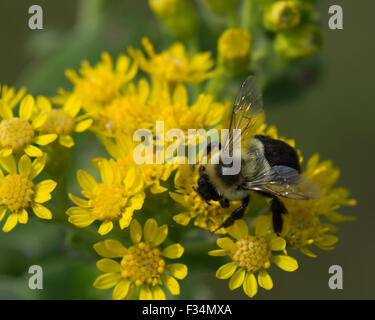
(279, 153)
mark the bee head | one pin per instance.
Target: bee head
(205, 188)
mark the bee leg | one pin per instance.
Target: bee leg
(224, 202)
(235, 215)
(211, 146)
(277, 208)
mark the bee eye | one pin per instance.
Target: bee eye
(202, 169)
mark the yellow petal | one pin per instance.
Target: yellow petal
(237, 279)
(263, 224)
(178, 270)
(225, 243)
(81, 220)
(26, 107)
(182, 219)
(107, 280)
(171, 284)
(72, 106)
(86, 181)
(6, 152)
(41, 211)
(45, 139)
(43, 103)
(3, 211)
(135, 231)
(33, 151)
(9, 164)
(106, 173)
(78, 201)
(126, 218)
(108, 265)
(105, 227)
(110, 249)
(265, 280)
(23, 217)
(226, 270)
(39, 120)
(285, 263)
(43, 190)
(66, 141)
(121, 290)
(136, 202)
(277, 244)
(24, 165)
(218, 253)
(238, 230)
(145, 293)
(160, 236)
(11, 222)
(173, 251)
(158, 293)
(37, 166)
(150, 229)
(250, 285)
(83, 125)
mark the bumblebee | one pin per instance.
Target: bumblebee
(267, 166)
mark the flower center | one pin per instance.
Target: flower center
(302, 228)
(58, 122)
(16, 192)
(15, 134)
(143, 264)
(252, 253)
(108, 203)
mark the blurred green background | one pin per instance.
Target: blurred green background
(334, 117)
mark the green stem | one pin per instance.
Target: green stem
(247, 15)
(90, 16)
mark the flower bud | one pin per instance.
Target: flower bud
(282, 15)
(178, 15)
(221, 6)
(300, 42)
(234, 48)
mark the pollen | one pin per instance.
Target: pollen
(201, 208)
(58, 122)
(252, 253)
(143, 264)
(15, 134)
(108, 203)
(16, 192)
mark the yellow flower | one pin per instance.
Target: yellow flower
(63, 121)
(251, 254)
(282, 15)
(178, 15)
(234, 49)
(299, 42)
(18, 193)
(302, 224)
(205, 216)
(18, 134)
(122, 149)
(142, 265)
(9, 97)
(174, 65)
(114, 199)
(128, 112)
(99, 85)
(175, 111)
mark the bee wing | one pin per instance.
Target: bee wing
(285, 182)
(248, 103)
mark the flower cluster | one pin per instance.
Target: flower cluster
(180, 87)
